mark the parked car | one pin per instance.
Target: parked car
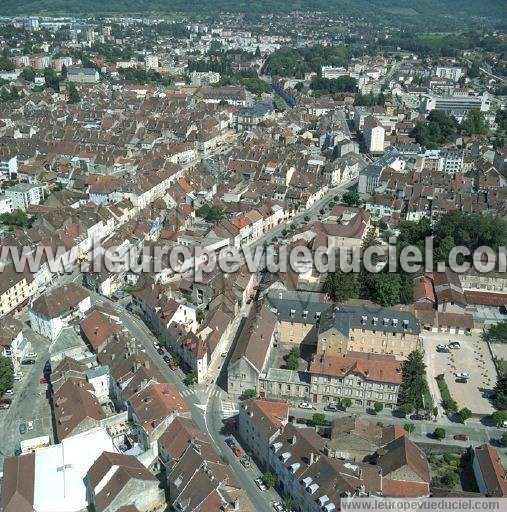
(442, 348)
(454, 344)
(301, 421)
(43, 380)
(305, 405)
(330, 407)
(462, 375)
(245, 462)
(230, 442)
(4, 405)
(9, 392)
(166, 358)
(260, 484)
(278, 506)
(160, 351)
(462, 380)
(238, 452)
(22, 428)
(32, 355)
(418, 417)
(28, 361)
(30, 425)
(172, 365)
(460, 437)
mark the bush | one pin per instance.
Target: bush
(448, 402)
(439, 433)
(318, 418)
(409, 427)
(248, 393)
(269, 479)
(406, 409)
(6, 374)
(346, 403)
(378, 407)
(464, 414)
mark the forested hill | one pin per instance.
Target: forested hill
(460, 11)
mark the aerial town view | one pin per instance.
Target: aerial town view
(253, 255)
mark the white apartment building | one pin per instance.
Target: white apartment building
(5, 204)
(450, 72)
(451, 161)
(151, 62)
(23, 195)
(374, 135)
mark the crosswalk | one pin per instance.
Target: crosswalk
(228, 408)
(202, 396)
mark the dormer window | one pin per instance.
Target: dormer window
(374, 320)
(386, 321)
(363, 319)
(292, 312)
(405, 324)
(395, 322)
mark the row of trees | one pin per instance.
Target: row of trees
(296, 62)
(321, 86)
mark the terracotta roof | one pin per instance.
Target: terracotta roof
(113, 471)
(55, 302)
(486, 298)
(153, 404)
(267, 415)
(372, 367)
(492, 470)
(73, 403)
(98, 327)
(17, 483)
(404, 489)
(402, 452)
(178, 435)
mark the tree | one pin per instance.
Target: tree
(269, 479)
(28, 74)
(499, 417)
(190, 378)
(378, 407)
(351, 198)
(504, 438)
(497, 333)
(434, 412)
(406, 408)
(318, 418)
(293, 358)
(414, 384)
(346, 403)
(409, 427)
(6, 374)
(247, 394)
(63, 73)
(73, 94)
(341, 286)
(211, 213)
(449, 480)
(6, 64)
(51, 80)
(17, 218)
(500, 400)
(439, 433)
(464, 414)
(474, 124)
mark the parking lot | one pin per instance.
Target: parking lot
(473, 358)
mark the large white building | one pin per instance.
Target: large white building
(23, 195)
(450, 72)
(53, 311)
(374, 135)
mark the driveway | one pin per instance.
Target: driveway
(473, 358)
